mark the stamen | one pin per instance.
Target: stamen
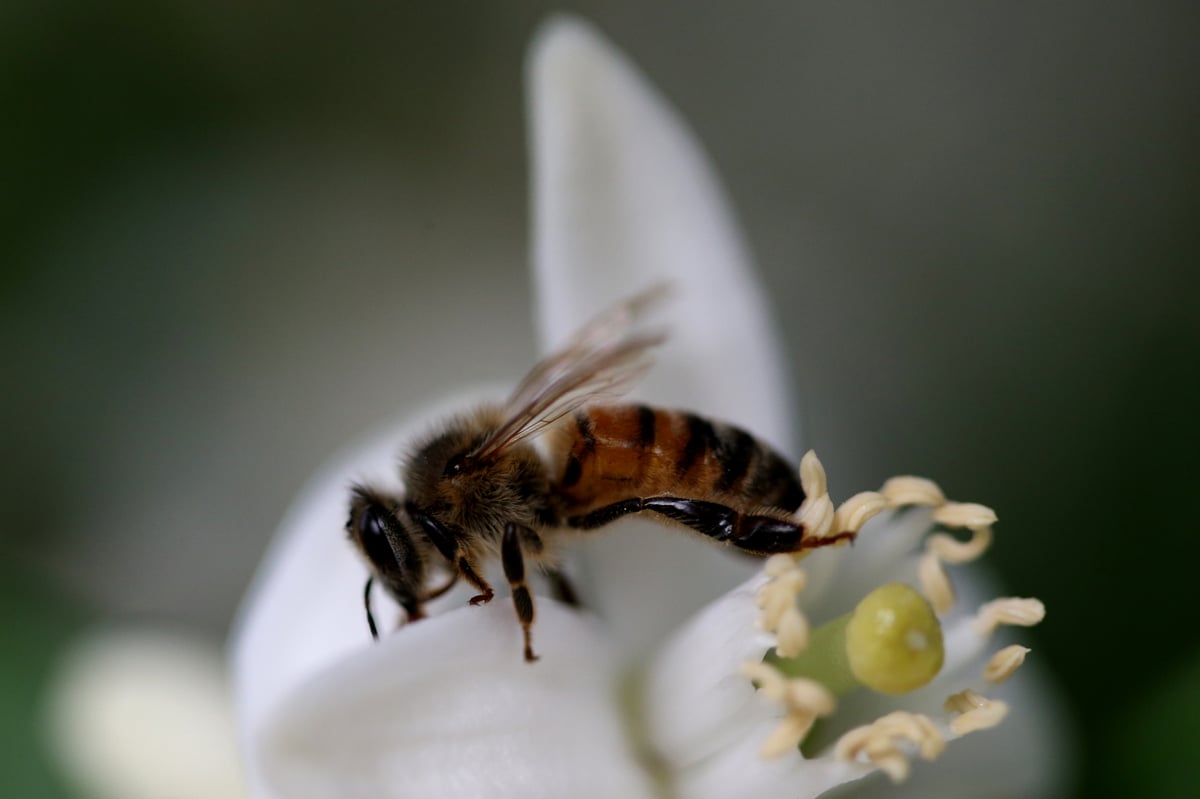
(935, 583)
(804, 699)
(812, 475)
(964, 514)
(957, 552)
(816, 514)
(908, 490)
(858, 510)
(791, 634)
(975, 712)
(1010, 610)
(1005, 663)
(881, 740)
(781, 615)
(779, 565)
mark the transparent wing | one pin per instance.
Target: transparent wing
(601, 362)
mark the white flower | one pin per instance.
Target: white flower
(635, 701)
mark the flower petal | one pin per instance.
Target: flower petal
(623, 198)
(450, 709)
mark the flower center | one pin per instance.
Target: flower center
(891, 643)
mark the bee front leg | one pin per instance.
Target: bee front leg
(514, 571)
(468, 572)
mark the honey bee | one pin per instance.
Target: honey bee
(478, 488)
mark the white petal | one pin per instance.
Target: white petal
(449, 708)
(142, 714)
(624, 197)
(304, 610)
(695, 702)
(739, 771)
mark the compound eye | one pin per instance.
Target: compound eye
(374, 539)
(369, 524)
(455, 466)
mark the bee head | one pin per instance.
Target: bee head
(378, 527)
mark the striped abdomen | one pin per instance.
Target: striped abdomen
(611, 453)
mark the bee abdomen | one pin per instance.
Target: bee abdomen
(624, 451)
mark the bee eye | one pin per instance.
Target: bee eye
(370, 525)
(455, 465)
(374, 539)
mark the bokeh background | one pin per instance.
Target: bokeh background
(235, 236)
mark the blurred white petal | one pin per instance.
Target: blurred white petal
(624, 197)
(143, 714)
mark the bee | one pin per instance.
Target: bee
(478, 488)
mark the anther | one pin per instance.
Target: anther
(935, 583)
(880, 742)
(1010, 610)
(907, 490)
(812, 475)
(804, 700)
(816, 514)
(964, 514)
(975, 712)
(1004, 663)
(852, 514)
(954, 551)
(792, 634)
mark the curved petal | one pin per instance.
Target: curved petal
(450, 709)
(623, 197)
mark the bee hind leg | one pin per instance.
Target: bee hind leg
(514, 571)
(760, 533)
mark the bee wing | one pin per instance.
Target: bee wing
(601, 361)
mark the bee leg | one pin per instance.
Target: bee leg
(367, 605)
(468, 572)
(758, 533)
(514, 570)
(563, 590)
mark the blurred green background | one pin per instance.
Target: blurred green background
(229, 232)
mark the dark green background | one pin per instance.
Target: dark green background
(228, 233)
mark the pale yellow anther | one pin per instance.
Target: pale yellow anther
(1010, 610)
(907, 490)
(891, 762)
(804, 700)
(852, 514)
(774, 604)
(768, 678)
(808, 696)
(1004, 663)
(812, 475)
(965, 701)
(964, 514)
(777, 598)
(880, 742)
(787, 735)
(975, 712)
(951, 550)
(791, 635)
(816, 514)
(935, 583)
(779, 565)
